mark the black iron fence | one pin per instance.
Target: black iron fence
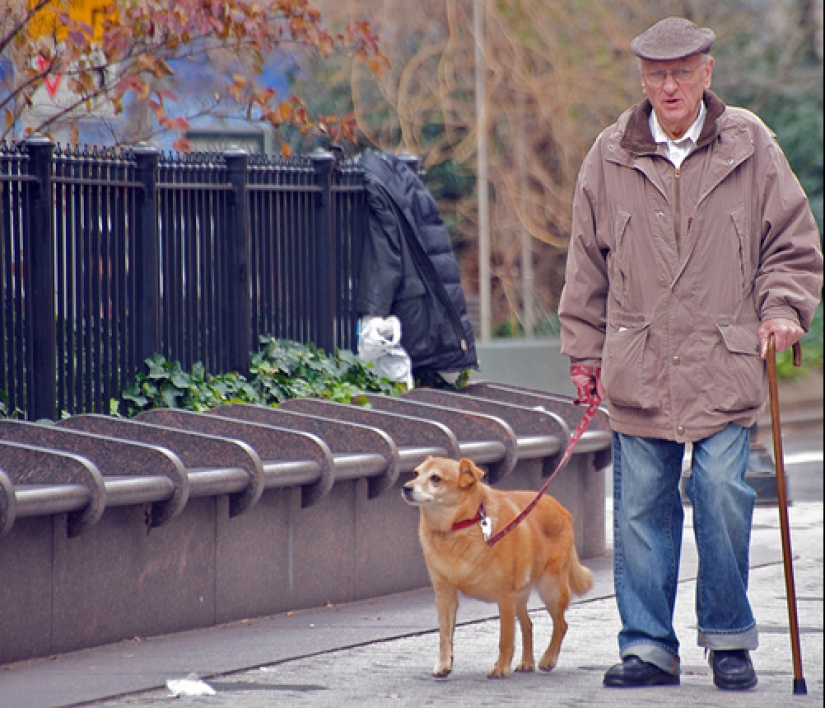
(110, 256)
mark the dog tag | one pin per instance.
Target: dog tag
(486, 527)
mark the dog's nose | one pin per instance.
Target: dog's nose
(407, 491)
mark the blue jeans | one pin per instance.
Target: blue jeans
(648, 521)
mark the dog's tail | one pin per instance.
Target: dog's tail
(581, 578)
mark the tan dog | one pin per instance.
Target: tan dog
(538, 553)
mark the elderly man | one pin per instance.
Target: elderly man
(692, 244)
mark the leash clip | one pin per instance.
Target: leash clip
(485, 524)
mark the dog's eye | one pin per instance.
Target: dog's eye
(435, 479)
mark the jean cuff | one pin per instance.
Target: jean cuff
(654, 654)
(744, 639)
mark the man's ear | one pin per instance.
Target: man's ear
(468, 473)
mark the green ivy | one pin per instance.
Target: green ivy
(279, 370)
(6, 410)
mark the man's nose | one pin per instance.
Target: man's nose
(669, 81)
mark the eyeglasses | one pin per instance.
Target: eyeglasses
(681, 75)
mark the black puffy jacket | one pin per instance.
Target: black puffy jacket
(408, 268)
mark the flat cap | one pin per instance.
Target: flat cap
(672, 38)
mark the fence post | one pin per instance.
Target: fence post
(41, 359)
(146, 255)
(238, 312)
(326, 252)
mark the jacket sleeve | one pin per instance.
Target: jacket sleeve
(789, 276)
(381, 259)
(582, 308)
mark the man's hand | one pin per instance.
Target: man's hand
(786, 333)
(587, 380)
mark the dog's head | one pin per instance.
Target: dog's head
(442, 481)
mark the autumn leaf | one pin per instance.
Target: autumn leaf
(285, 112)
(164, 94)
(182, 145)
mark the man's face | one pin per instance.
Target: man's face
(675, 90)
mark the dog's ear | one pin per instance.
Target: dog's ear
(468, 473)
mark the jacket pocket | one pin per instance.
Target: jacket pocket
(739, 374)
(618, 258)
(625, 369)
(742, 251)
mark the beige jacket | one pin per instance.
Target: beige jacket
(670, 272)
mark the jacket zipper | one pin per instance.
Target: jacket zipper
(677, 234)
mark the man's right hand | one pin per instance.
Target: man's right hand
(588, 381)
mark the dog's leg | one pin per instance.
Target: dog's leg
(507, 638)
(446, 600)
(556, 598)
(528, 662)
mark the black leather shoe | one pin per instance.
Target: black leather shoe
(633, 672)
(732, 670)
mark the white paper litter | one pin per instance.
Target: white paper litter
(189, 686)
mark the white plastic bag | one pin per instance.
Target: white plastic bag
(379, 344)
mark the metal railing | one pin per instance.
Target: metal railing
(86, 463)
(111, 256)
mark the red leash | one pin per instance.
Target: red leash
(591, 398)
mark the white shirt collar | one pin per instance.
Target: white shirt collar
(678, 150)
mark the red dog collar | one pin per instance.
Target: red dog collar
(478, 518)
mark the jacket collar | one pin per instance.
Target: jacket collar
(638, 140)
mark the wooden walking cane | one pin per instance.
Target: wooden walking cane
(799, 686)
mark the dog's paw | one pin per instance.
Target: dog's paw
(526, 666)
(499, 672)
(442, 670)
(547, 663)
